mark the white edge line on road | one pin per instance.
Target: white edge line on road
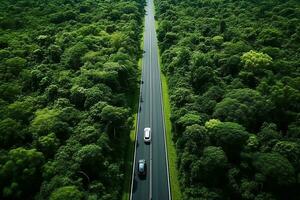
(162, 111)
(137, 121)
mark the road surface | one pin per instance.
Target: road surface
(155, 186)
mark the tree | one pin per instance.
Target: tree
(117, 116)
(248, 189)
(201, 59)
(20, 168)
(93, 57)
(270, 37)
(212, 123)
(276, 170)
(211, 167)
(181, 96)
(53, 182)
(48, 144)
(9, 91)
(11, 133)
(218, 40)
(52, 92)
(44, 121)
(169, 40)
(194, 136)
(15, 65)
(290, 150)
(256, 61)
(200, 193)
(285, 98)
(55, 53)
(95, 110)
(67, 193)
(231, 65)
(117, 39)
(72, 56)
(91, 159)
(22, 110)
(97, 93)
(268, 135)
(187, 120)
(61, 17)
(231, 137)
(245, 106)
(223, 26)
(202, 78)
(78, 96)
(87, 134)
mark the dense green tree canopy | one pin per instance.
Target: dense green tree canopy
(68, 70)
(11, 133)
(20, 167)
(275, 169)
(66, 193)
(233, 67)
(230, 136)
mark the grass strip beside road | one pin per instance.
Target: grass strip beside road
(175, 187)
(128, 162)
(131, 144)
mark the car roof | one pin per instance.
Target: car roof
(147, 129)
(141, 167)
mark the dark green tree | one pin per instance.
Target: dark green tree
(21, 167)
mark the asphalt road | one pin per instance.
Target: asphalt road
(155, 186)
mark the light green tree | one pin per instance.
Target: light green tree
(255, 61)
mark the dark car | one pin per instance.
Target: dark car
(142, 168)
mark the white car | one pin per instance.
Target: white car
(147, 135)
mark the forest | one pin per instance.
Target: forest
(68, 71)
(233, 71)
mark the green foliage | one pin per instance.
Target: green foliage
(72, 56)
(270, 37)
(211, 167)
(117, 116)
(22, 110)
(11, 133)
(212, 123)
(275, 169)
(48, 144)
(189, 119)
(181, 96)
(9, 91)
(194, 139)
(232, 66)
(13, 66)
(290, 150)
(231, 137)
(218, 40)
(44, 121)
(67, 193)
(78, 96)
(19, 168)
(68, 70)
(245, 106)
(255, 60)
(90, 158)
(116, 40)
